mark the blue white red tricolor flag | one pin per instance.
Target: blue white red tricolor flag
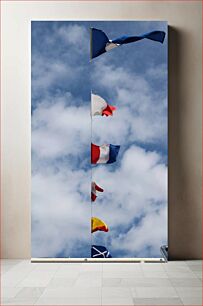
(100, 43)
(105, 154)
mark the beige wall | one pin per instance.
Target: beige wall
(184, 19)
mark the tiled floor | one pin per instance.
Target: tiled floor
(172, 283)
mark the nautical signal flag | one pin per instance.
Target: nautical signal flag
(94, 190)
(99, 107)
(99, 251)
(98, 225)
(105, 154)
(100, 43)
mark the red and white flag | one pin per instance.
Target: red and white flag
(99, 107)
(94, 190)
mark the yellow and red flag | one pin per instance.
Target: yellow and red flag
(98, 225)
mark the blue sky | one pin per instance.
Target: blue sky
(134, 79)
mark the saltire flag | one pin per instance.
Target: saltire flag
(99, 251)
(105, 154)
(100, 107)
(100, 43)
(94, 189)
(98, 225)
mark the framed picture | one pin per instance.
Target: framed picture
(99, 139)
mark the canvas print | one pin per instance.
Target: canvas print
(99, 139)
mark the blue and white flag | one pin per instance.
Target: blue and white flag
(99, 251)
(101, 44)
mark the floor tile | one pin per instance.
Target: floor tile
(189, 291)
(85, 282)
(126, 267)
(15, 275)
(6, 268)
(123, 274)
(155, 274)
(61, 282)
(146, 282)
(185, 282)
(116, 292)
(68, 272)
(192, 301)
(36, 280)
(21, 301)
(69, 265)
(157, 301)
(30, 292)
(48, 267)
(9, 292)
(4, 301)
(176, 263)
(173, 283)
(193, 262)
(90, 274)
(112, 282)
(118, 301)
(92, 267)
(154, 292)
(69, 301)
(175, 268)
(198, 274)
(196, 268)
(153, 267)
(73, 292)
(178, 274)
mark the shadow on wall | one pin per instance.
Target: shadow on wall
(184, 205)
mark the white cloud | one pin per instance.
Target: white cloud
(47, 73)
(75, 35)
(59, 130)
(60, 214)
(138, 188)
(60, 201)
(157, 72)
(147, 237)
(141, 112)
(61, 206)
(48, 70)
